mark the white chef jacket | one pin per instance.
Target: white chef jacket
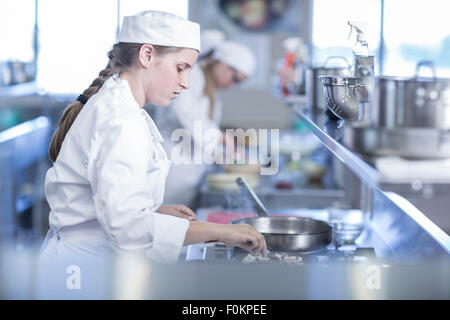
(190, 106)
(108, 181)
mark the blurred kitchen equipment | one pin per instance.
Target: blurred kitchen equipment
(363, 63)
(416, 102)
(303, 142)
(295, 147)
(314, 90)
(246, 189)
(292, 67)
(347, 225)
(416, 143)
(5, 74)
(30, 71)
(286, 233)
(398, 169)
(342, 96)
(291, 174)
(227, 181)
(242, 168)
(313, 170)
(17, 72)
(291, 233)
(346, 233)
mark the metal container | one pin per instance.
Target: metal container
(5, 74)
(17, 72)
(291, 233)
(314, 90)
(411, 102)
(414, 143)
(343, 96)
(285, 233)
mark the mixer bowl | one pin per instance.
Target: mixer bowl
(343, 95)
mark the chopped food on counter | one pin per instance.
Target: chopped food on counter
(285, 258)
(280, 258)
(250, 258)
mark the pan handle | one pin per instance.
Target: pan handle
(248, 191)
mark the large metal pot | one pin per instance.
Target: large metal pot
(411, 102)
(291, 233)
(314, 90)
(380, 142)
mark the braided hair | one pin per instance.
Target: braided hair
(121, 57)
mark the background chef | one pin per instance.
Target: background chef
(224, 65)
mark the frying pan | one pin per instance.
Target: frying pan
(285, 233)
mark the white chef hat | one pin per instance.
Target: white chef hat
(237, 56)
(210, 39)
(161, 29)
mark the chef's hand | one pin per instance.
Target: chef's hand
(245, 237)
(178, 210)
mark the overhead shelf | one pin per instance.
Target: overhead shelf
(329, 132)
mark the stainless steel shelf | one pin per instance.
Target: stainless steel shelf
(20, 89)
(330, 132)
(391, 200)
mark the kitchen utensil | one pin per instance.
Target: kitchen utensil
(417, 102)
(246, 189)
(17, 72)
(342, 96)
(5, 74)
(347, 226)
(346, 233)
(286, 233)
(291, 233)
(314, 91)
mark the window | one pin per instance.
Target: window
(413, 30)
(421, 34)
(75, 36)
(17, 25)
(330, 30)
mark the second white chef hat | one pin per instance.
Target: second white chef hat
(237, 56)
(211, 38)
(160, 28)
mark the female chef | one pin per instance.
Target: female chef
(228, 64)
(106, 186)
